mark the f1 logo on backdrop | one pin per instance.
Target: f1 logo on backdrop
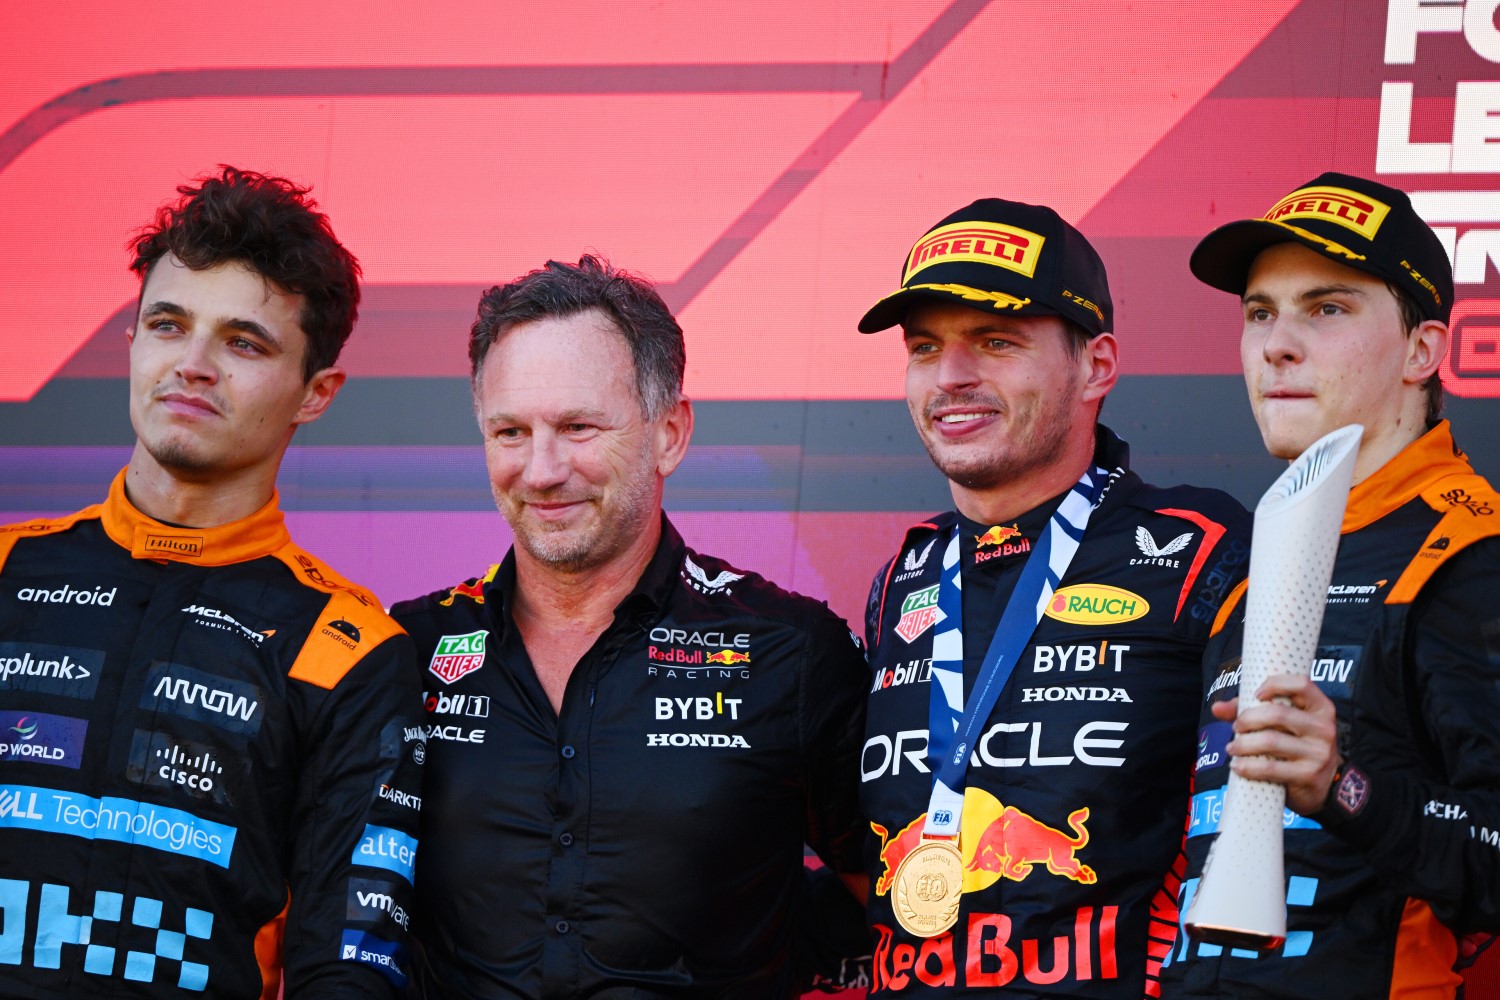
(620, 116)
(1472, 366)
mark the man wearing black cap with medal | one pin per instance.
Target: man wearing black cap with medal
(1035, 653)
(1389, 751)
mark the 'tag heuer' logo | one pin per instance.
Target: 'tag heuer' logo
(457, 656)
(1096, 604)
(981, 242)
(919, 611)
(1349, 209)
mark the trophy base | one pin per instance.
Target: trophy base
(1235, 937)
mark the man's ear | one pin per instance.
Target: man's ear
(319, 392)
(1426, 347)
(1101, 356)
(673, 431)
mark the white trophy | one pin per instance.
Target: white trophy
(1241, 897)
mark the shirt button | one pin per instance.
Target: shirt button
(566, 840)
(568, 752)
(562, 927)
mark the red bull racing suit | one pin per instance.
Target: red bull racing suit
(1406, 853)
(209, 764)
(646, 840)
(1072, 817)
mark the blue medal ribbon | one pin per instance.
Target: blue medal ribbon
(953, 727)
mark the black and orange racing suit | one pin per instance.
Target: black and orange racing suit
(1406, 853)
(1072, 818)
(210, 752)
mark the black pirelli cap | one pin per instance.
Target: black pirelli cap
(1357, 222)
(1005, 256)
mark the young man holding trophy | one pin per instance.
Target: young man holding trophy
(1388, 751)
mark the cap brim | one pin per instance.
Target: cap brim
(891, 310)
(1222, 259)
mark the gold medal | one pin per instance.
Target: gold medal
(929, 883)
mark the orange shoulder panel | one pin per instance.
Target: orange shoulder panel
(12, 533)
(1472, 513)
(1228, 606)
(351, 624)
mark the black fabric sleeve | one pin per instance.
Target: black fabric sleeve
(832, 709)
(1437, 834)
(872, 604)
(356, 826)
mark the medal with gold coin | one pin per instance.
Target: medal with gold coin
(929, 882)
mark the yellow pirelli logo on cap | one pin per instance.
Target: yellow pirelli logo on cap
(1349, 209)
(982, 242)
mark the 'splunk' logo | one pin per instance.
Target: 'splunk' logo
(1096, 604)
(980, 242)
(1350, 209)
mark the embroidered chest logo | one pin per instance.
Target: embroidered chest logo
(912, 566)
(919, 612)
(695, 577)
(1154, 555)
(1005, 540)
(457, 656)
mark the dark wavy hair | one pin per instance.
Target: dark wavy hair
(269, 224)
(628, 300)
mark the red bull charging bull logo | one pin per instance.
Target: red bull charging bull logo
(990, 950)
(1005, 539)
(998, 535)
(474, 591)
(997, 841)
(727, 657)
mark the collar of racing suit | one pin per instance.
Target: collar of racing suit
(1419, 465)
(651, 594)
(260, 534)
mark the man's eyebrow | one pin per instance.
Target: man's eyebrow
(1322, 290)
(255, 329)
(1261, 298)
(977, 330)
(164, 308)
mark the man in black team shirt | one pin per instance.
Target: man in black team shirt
(629, 741)
(1027, 795)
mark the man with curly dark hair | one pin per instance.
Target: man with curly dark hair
(211, 753)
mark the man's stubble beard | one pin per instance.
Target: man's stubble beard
(1042, 430)
(572, 550)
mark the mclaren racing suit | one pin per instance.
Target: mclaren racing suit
(646, 840)
(209, 764)
(1406, 853)
(1072, 816)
